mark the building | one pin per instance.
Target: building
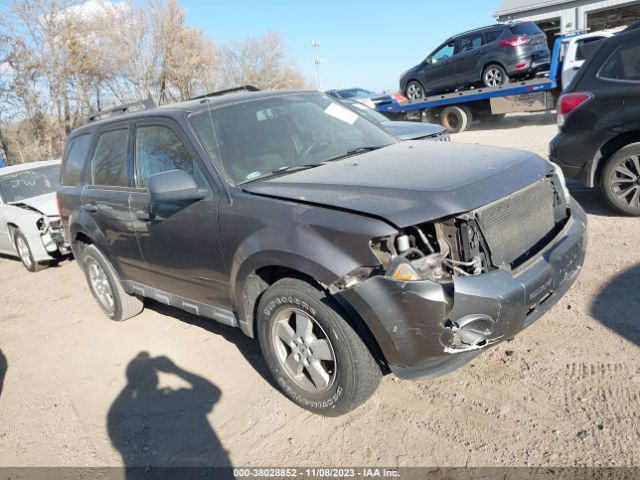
(564, 16)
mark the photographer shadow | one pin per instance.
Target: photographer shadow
(164, 432)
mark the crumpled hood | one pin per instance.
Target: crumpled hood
(412, 130)
(411, 182)
(45, 204)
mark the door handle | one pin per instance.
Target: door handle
(144, 216)
(90, 208)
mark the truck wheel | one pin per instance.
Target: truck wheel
(494, 75)
(414, 91)
(24, 252)
(315, 356)
(620, 180)
(106, 288)
(455, 118)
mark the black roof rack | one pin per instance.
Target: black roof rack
(147, 104)
(243, 88)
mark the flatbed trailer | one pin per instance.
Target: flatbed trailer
(455, 111)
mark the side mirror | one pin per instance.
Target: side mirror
(174, 186)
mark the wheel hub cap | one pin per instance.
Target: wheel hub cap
(625, 181)
(303, 350)
(100, 284)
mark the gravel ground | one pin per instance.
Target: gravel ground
(167, 387)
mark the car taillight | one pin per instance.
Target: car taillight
(516, 42)
(569, 102)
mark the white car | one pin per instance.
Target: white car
(30, 227)
(572, 54)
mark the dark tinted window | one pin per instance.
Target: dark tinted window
(158, 149)
(469, 42)
(624, 64)
(527, 28)
(492, 36)
(109, 163)
(74, 161)
(580, 53)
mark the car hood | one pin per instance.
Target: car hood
(412, 130)
(45, 204)
(411, 182)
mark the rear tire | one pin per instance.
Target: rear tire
(106, 288)
(494, 75)
(313, 353)
(414, 91)
(24, 252)
(455, 118)
(620, 180)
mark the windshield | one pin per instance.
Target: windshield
(354, 92)
(18, 186)
(256, 139)
(368, 113)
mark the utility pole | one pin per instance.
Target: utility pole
(316, 44)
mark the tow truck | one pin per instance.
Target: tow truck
(455, 111)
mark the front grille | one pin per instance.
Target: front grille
(438, 137)
(518, 222)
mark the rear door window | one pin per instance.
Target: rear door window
(109, 163)
(624, 64)
(469, 42)
(74, 161)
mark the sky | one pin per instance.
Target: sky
(362, 43)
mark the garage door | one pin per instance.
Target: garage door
(613, 17)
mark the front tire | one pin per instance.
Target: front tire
(106, 288)
(24, 252)
(314, 354)
(494, 75)
(620, 180)
(414, 91)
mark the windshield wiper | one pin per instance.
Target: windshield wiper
(293, 168)
(356, 151)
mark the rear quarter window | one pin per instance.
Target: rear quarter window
(492, 36)
(527, 28)
(623, 64)
(73, 162)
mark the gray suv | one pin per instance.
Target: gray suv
(489, 56)
(346, 253)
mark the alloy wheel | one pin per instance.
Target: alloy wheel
(100, 284)
(23, 251)
(494, 77)
(304, 350)
(625, 181)
(414, 91)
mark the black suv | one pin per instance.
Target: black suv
(346, 253)
(490, 55)
(599, 119)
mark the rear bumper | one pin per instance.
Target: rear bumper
(423, 330)
(574, 154)
(531, 62)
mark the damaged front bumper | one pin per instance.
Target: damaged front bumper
(425, 329)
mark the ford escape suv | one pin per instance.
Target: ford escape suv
(346, 253)
(489, 56)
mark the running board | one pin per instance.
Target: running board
(197, 308)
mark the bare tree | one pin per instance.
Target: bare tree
(262, 61)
